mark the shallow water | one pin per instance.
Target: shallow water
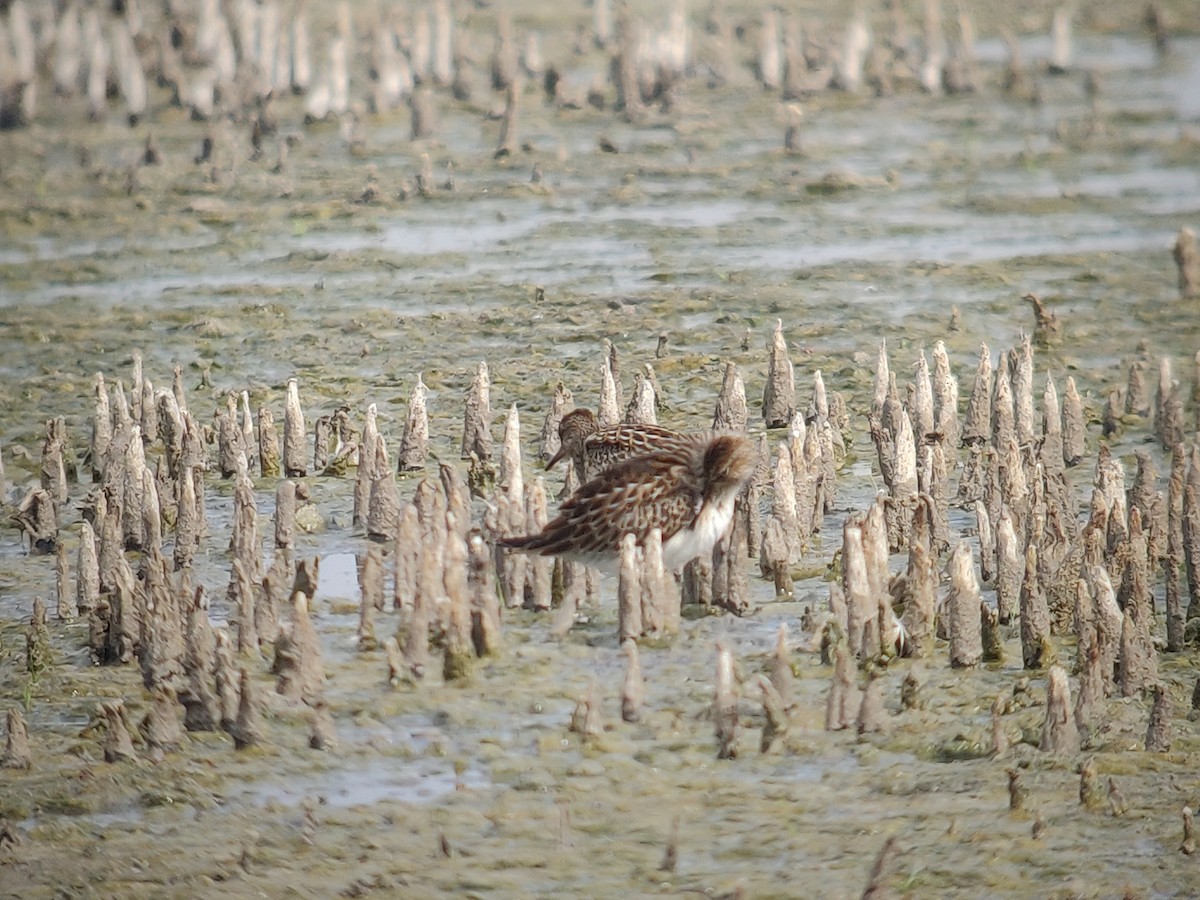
(701, 227)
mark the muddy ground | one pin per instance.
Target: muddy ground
(897, 210)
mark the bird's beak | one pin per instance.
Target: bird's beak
(556, 457)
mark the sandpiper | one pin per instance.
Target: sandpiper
(686, 488)
(594, 449)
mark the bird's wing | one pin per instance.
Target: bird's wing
(625, 440)
(645, 492)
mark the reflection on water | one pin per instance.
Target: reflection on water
(1103, 52)
(338, 579)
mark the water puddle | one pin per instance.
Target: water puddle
(368, 782)
(338, 579)
(1184, 87)
(45, 249)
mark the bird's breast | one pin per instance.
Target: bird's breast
(698, 538)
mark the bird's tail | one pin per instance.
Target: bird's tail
(527, 542)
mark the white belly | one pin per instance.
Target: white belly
(689, 543)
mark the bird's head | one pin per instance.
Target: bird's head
(729, 462)
(573, 430)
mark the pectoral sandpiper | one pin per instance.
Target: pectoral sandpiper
(594, 449)
(686, 488)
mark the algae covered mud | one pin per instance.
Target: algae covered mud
(515, 199)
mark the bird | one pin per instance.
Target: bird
(594, 449)
(686, 489)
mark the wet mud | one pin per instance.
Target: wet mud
(907, 218)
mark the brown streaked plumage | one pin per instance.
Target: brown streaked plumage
(686, 489)
(594, 449)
